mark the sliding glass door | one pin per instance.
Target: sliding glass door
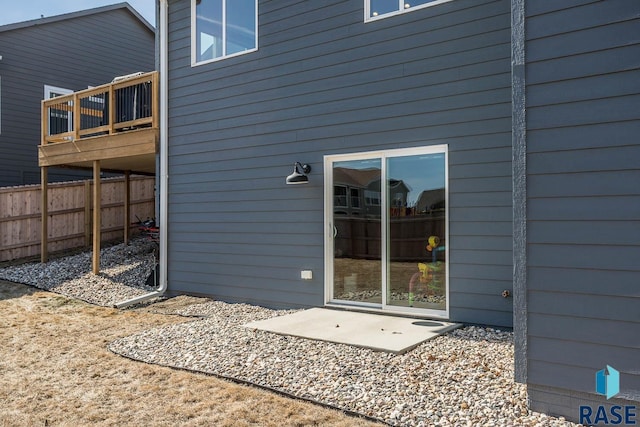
(387, 230)
(356, 230)
(416, 231)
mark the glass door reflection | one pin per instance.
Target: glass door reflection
(416, 231)
(357, 248)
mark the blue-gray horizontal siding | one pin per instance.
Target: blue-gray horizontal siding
(583, 121)
(71, 54)
(324, 82)
(566, 403)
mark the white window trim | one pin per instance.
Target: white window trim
(48, 89)
(62, 91)
(400, 11)
(383, 155)
(194, 62)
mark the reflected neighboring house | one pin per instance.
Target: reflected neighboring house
(398, 192)
(357, 192)
(431, 201)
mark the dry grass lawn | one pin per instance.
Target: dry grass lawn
(55, 370)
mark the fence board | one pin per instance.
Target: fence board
(69, 216)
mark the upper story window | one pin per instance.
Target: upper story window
(340, 196)
(222, 28)
(374, 9)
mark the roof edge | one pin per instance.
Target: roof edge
(78, 14)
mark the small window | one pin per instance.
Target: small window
(222, 28)
(372, 198)
(355, 198)
(374, 9)
(340, 196)
(398, 200)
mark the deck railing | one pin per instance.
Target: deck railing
(129, 104)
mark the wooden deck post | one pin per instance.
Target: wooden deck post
(75, 119)
(44, 210)
(127, 205)
(112, 110)
(96, 216)
(87, 213)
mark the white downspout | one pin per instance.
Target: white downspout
(164, 157)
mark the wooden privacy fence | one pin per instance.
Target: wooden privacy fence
(359, 238)
(69, 213)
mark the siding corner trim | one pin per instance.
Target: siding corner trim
(519, 177)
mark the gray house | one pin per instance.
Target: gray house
(511, 125)
(52, 56)
(576, 195)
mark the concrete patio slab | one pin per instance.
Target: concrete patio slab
(375, 331)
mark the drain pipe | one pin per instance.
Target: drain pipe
(164, 158)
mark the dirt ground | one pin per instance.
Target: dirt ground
(55, 370)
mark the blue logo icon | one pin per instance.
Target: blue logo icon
(608, 382)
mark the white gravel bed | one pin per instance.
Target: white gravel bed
(123, 272)
(464, 378)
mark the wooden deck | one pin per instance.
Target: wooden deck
(113, 127)
(133, 150)
(115, 123)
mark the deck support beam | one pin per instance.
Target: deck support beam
(127, 206)
(96, 216)
(44, 210)
(87, 213)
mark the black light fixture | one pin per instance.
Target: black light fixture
(299, 175)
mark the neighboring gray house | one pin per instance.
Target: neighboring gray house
(525, 115)
(56, 55)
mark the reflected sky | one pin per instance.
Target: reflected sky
(422, 172)
(359, 164)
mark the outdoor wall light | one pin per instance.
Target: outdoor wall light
(299, 175)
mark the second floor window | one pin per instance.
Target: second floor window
(383, 8)
(222, 28)
(340, 196)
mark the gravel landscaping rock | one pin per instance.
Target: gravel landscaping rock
(124, 270)
(463, 378)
